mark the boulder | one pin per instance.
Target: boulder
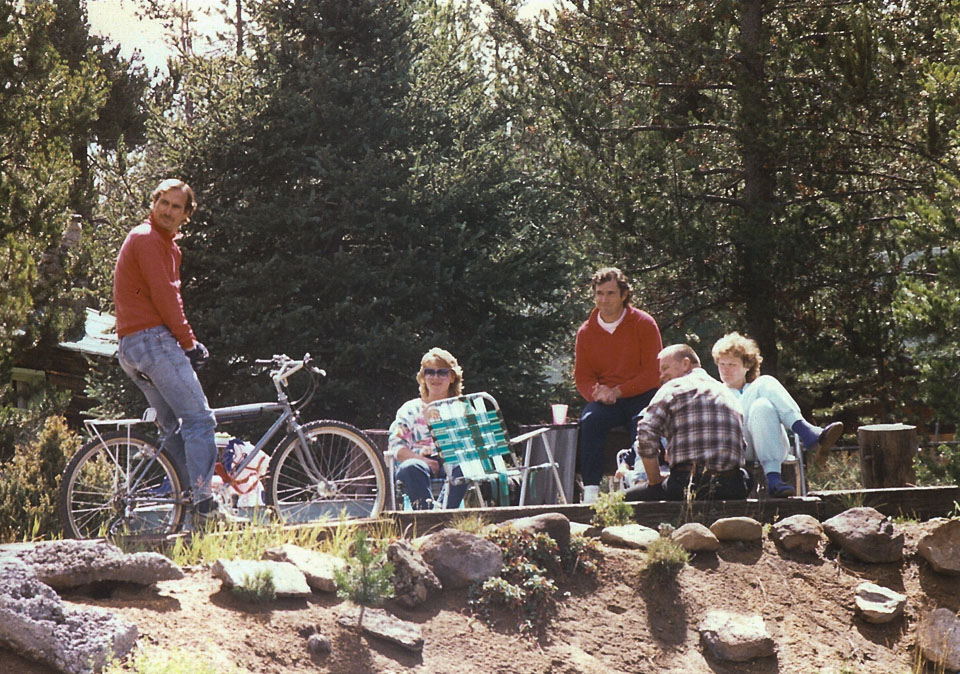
(939, 639)
(585, 530)
(380, 624)
(74, 563)
(865, 534)
(318, 644)
(694, 537)
(735, 637)
(459, 558)
(554, 525)
(288, 580)
(413, 580)
(737, 529)
(878, 604)
(629, 535)
(797, 532)
(317, 567)
(36, 624)
(941, 546)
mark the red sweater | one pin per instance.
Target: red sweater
(146, 284)
(627, 358)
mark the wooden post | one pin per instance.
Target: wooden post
(886, 455)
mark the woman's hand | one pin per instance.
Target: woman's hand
(432, 463)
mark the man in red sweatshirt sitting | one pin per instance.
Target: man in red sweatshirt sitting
(158, 349)
(615, 370)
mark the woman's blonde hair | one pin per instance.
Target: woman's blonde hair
(447, 358)
(736, 345)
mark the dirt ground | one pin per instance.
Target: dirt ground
(617, 622)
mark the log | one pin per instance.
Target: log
(886, 455)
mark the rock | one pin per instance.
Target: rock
(585, 530)
(288, 580)
(413, 580)
(37, 625)
(731, 636)
(318, 644)
(694, 537)
(317, 567)
(797, 532)
(864, 533)
(879, 604)
(941, 546)
(74, 563)
(459, 558)
(380, 624)
(554, 525)
(737, 529)
(939, 638)
(629, 535)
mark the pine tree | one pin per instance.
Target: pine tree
(359, 201)
(744, 159)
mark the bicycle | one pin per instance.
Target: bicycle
(122, 483)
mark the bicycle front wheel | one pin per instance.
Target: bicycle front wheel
(120, 485)
(337, 474)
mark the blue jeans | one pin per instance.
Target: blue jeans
(415, 476)
(153, 359)
(596, 421)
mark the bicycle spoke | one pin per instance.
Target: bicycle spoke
(338, 474)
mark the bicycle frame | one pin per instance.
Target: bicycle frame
(288, 416)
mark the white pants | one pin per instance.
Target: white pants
(769, 410)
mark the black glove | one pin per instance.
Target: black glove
(198, 356)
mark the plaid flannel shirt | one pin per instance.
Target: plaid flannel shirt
(701, 419)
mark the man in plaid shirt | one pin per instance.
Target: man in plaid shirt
(703, 423)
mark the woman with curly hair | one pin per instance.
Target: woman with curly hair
(418, 459)
(769, 410)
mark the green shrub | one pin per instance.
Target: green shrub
(527, 585)
(664, 559)
(940, 466)
(258, 588)
(29, 483)
(610, 510)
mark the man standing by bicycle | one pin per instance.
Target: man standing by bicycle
(158, 349)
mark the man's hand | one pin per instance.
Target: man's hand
(605, 394)
(198, 355)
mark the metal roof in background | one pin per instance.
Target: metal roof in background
(100, 338)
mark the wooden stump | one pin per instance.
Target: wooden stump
(886, 455)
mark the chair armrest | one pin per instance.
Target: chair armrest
(523, 437)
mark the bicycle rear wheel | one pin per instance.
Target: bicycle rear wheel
(121, 486)
(338, 474)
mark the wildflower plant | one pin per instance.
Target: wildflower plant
(527, 584)
(610, 510)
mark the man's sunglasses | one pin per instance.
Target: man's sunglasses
(439, 372)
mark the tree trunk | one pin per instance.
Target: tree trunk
(756, 237)
(886, 455)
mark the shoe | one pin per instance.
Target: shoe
(209, 513)
(828, 438)
(782, 490)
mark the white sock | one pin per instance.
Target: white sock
(590, 493)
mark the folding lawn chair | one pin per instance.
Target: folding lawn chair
(470, 433)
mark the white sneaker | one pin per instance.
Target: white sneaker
(590, 493)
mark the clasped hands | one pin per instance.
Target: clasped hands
(605, 394)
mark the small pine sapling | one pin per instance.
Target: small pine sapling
(367, 579)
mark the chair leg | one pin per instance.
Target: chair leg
(392, 479)
(801, 466)
(557, 483)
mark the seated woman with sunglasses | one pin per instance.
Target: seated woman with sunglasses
(418, 460)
